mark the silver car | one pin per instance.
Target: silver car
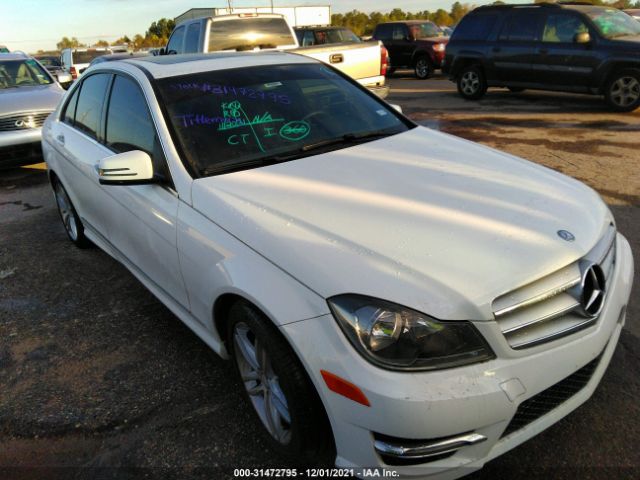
(28, 94)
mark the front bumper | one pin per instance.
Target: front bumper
(481, 399)
(20, 147)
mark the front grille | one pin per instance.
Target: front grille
(23, 121)
(551, 307)
(542, 403)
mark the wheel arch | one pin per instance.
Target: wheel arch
(463, 61)
(611, 68)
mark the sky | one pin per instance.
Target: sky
(30, 25)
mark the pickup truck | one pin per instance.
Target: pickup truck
(416, 44)
(365, 62)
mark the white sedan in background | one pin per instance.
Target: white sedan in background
(391, 296)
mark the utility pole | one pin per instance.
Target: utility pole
(271, 6)
(230, 6)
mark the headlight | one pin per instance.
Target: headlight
(399, 338)
(439, 47)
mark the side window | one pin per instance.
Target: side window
(475, 27)
(562, 28)
(399, 32)
(522, 26)
(308, 39)
(128, 107)
(384, 32)
(175, 42)
(191, 41)
(70, 109)
(89, 108)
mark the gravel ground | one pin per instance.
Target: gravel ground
(99, 380)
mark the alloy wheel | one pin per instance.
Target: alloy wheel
(422, 68)
(262, 383)
(470, 83)
(66, 211)
(625, 91)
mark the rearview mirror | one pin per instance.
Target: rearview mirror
(583, 37)
(128, 168)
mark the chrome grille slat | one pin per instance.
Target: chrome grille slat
(31, 119)
(550, 307)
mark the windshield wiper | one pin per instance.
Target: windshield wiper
(348, 138)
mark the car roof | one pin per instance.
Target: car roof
(408, 22)
(581, 6)
(172, 65)
(14, 56)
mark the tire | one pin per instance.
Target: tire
(516, 89)
(297, 427)
(423, 68)
(472, 84)
(70, 219)
(622, 92)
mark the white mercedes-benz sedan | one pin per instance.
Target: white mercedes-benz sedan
(391, 296)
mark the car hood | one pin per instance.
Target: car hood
(422, 218)
(30, 99)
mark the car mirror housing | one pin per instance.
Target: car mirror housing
(583, 37)
(128, 168)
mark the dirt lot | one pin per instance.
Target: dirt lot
(99, 380)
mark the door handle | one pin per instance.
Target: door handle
(60, 139)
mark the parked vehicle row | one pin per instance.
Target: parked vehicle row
(561, 47)
(390, 296)
(77, 60)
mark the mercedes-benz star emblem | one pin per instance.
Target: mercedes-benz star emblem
(566, 235)
(593, 290)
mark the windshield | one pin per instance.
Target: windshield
(425, 30)
(235, 119)
(22, 73)
(249, 33)
(613, 23)
(87, 56)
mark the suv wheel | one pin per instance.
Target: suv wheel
(472, 84)
(623, 90)
(278, 388)
(423, 68)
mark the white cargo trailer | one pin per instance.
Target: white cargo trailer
(296, 16)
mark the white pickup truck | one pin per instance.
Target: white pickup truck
(366, 62)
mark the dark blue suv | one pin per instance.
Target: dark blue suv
(570, 47)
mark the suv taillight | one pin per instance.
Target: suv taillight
(384, 60)
(73, 72)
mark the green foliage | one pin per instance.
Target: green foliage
(67, 42)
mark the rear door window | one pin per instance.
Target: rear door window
(70, 109)
(175, 42)
(399, 32)
(384, 32)
(90, 102)
(475, 27)
(191, 40)
(523, 25)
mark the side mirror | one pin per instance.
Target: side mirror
(128, 168)
(162, 51)
(583, 38)
(396, 107)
